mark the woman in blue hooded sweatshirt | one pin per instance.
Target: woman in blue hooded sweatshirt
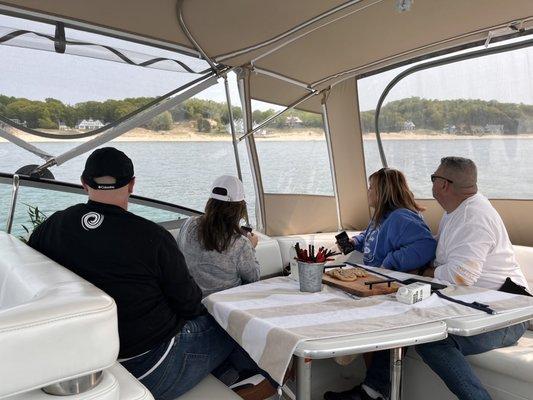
(397, 237)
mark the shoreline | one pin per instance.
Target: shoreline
(179, 135)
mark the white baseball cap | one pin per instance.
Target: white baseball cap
(227, 188)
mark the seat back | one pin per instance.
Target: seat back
(54, 325)
(524, 256)
(326, 239)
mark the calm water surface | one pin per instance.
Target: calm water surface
(182, 172)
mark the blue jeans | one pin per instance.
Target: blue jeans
(198, 349)
(447, 359)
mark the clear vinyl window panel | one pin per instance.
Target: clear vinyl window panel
(176, 156)
(292, 152)
(96, 81)
(479, 108)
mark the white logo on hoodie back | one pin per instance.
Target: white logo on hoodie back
(91, 220)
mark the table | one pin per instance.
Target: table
(330, 324)
(394, 339)
(463, 326)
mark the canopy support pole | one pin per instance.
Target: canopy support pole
(232, 129)
(14, 195)
(243, 80)
(234, 140)
(327, 132)
(25, 145)
(191, 38)
(269, 119)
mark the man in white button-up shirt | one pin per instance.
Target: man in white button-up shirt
(473, 249)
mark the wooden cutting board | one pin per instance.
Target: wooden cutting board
(359, 288)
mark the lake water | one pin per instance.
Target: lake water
(182, 172)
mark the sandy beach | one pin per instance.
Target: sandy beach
(184, 133)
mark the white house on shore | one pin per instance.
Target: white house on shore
(89, 124)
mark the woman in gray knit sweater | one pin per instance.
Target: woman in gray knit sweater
(218, 254)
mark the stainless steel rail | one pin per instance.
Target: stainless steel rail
(74, 386)
(325, 118)
(243, 79)
(14, 194)
(65, 187)
(251, 131)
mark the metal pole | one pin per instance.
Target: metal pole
(74, 386)
(396, 356)
(232, 128)
(189, 35)
(234, 141)
(303, 378)
(380, 144)
(289, 32)
(268, 120)
(26, 146)
(14, 194)
(243, 80)
(330, 155)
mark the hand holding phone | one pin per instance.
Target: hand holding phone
(247, 231)
(344, 242)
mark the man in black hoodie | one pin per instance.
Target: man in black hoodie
(167, 340)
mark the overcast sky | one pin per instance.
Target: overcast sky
(40, 74)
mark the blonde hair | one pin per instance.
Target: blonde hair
(392, 193)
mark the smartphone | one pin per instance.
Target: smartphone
(246, 229)
(344, 242)
(434, 285)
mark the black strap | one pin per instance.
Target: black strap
(60, 44)
(475, 305)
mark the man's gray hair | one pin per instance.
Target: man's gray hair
(462, 171)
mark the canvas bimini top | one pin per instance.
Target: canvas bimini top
(297, 46)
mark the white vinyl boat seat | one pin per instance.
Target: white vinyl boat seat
(210, 388)
(55, 326)
(326, 239)
(267, 252)
(506, 373)
(117, 384)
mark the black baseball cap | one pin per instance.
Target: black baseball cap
(108, 161)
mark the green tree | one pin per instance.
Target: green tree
(163, 122)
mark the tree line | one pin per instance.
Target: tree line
(209, 115)
(453, 116)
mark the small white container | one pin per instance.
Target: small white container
(293, 264)
(413, 293)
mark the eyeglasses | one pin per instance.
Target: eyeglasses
(433, 177)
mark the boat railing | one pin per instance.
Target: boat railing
(18, 181)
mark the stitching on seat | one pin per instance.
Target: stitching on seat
(62, 318)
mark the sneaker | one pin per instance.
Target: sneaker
(256, 387)
(355, 393)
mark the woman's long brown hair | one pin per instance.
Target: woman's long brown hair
(392, 193)
(219, 226)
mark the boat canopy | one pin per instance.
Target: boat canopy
(299, 45)
(307, 54)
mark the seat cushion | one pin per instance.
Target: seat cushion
(515, 361)
(210, 388)
(326, 239)
(268, 255)
(107, 389)
(130, 388)
(53, 324)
